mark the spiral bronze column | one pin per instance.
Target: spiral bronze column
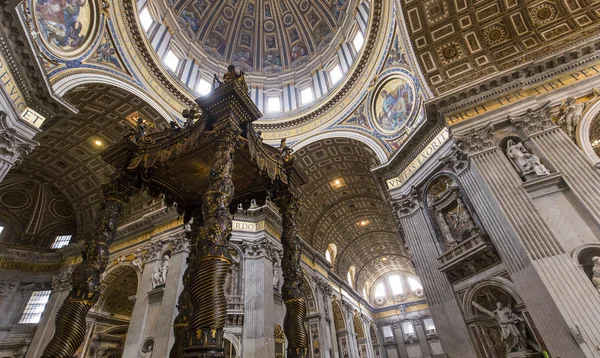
(71, 317)
(209, 269)
(295, 304)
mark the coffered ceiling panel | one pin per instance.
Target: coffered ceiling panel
(457, 42)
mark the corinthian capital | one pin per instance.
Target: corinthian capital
(13, 148)
(457, 160)
(477, 139)
(534, 120)
(407, 203)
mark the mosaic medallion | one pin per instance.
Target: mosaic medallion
(393, 104)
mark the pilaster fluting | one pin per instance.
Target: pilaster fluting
(444, 308)
(70, 320)
(557, 294)
(210, 267)
(293, 323)
(556, 146)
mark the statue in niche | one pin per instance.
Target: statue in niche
(138, 262)
(570, 115)
(526, 163)
(277, 275)
(449, 210)
(596, 272)
(159, 277)
(233, 274)
(511, 325)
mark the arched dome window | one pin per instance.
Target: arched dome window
(396, 287)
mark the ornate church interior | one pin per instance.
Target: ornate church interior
(300, 178)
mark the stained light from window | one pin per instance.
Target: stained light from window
(358, 41)
(429, 325)
(336, 74)
(387, 332)
(203, 87)
(306, 95)
(380, 290)
(35, 307)
(61, 241)
(350, 279)
(328, 256)
(414, 284)
(146, 19)
(396, 284)
(1, 229)
(273, 104)
(172, 61)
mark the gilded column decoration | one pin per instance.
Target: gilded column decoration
(184, 304)
(209, 313)
(71, 317)
(293, 323)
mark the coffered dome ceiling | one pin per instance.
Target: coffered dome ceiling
(266, 36)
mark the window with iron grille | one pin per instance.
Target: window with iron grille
(61, 241)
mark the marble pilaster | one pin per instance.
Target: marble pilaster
(163, 336)
(259, 320)
(139, 316)
(422, 338)
(324, 290)
(561, 300)
(399, 336)
(444, 308)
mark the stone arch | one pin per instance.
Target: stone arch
(371, 143)
(499, 283)
(446, 182)
(67, 83)
(119, 284)
(338, 316)
(358, 326)
(235, 343)
(583, 132)
(309, 295)
(583, 256)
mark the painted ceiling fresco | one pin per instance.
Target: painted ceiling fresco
(269, 37)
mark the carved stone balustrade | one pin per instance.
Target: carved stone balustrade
(470, 256)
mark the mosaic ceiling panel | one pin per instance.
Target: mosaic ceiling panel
(267, 36)
(351, 214)
(69, 152)
(458, 42)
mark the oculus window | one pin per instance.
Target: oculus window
(61, 241)
(35, 307)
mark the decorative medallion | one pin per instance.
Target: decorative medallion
(393, 103)
(495, 34)
(62, 209)
(543, 13)
(15, 199)
(269, 25)
(65, 26)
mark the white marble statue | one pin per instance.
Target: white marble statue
(146, 353)
(596, 272)
(508, 322)
(138, 262)
(526, 162)
(159, 277)
(277, 275)
(570, 115)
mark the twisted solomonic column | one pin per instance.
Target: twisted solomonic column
(85, 292)
(209, 269)
(295, 304)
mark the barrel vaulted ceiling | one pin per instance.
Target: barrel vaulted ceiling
(459, 42)
(342, 205)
